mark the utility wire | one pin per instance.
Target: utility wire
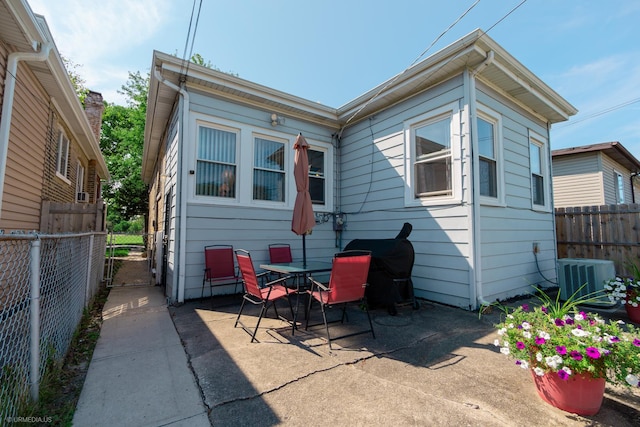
(184, 70)
(599, 113)
(407, 68)
(186, 41)
(193, 37)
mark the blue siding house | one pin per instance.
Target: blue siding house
(457, 145)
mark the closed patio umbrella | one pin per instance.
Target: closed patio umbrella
(303, 219)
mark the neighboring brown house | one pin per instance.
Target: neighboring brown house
(594, 175)
(51, 166)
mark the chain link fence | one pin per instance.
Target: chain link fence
(119, 245)
(46, 282)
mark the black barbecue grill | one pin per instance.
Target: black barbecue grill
(390, 270)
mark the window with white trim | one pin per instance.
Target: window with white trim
(432, 144)
(539, 174)
(62, 160)
(432, 166)
(269, 175)
(216, 162)
(317, 180)
(490, 157)
(79, 182)
(619, 187)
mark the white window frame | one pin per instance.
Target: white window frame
(542, 143)
(488, 115)
(245, 162)
(79, 179)
(62, 155)
(618, 180)
(209, 125)
(287, 170)
(325, 177)
(452, 111)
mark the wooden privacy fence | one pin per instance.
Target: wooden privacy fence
(610, 232)
(72, 217)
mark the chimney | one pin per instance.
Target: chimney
(93, 108)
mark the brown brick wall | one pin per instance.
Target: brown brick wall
(93, 108)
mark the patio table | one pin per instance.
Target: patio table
(299, 271)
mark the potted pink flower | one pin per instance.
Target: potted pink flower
(567, 349)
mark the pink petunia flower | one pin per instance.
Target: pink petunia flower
(593, 353)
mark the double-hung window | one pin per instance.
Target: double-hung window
(432, 167)
(216, 162)
(62, 160)
(269, 170)
(539, 172)
(489, 157)
(80, 182)
(432, 144)
(317, 180)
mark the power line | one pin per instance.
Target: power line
(600, 113)
(186, 59)
(425, 51)
(193, 37)
(407, 68)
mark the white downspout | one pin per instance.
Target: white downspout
(477, 296)
(7, 104)
(181, 199)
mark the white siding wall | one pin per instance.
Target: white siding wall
(245, 224)
(170, 189)
(577, 181)
(507, 232)
(372, 196)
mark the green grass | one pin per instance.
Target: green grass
(117, 252)
(126, 239)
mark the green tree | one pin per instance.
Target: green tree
(76, 79)
(198, 59)
(122, 143)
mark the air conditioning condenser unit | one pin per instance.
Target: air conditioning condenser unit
(592, 273)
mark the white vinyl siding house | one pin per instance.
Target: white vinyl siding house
(445, 148)
(594, 175)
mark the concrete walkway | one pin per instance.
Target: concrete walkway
(139, 374)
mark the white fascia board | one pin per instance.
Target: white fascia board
(27, 22)
(253, 89)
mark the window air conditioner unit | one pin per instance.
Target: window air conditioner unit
(83, 197)
(576, 272)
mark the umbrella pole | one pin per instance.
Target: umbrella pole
(304, 250)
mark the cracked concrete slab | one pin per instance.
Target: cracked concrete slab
(433, 366)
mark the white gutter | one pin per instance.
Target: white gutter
(7, 104)
(179, 280)
(475, 244)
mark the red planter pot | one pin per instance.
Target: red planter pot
(580, 394)
(633, 313)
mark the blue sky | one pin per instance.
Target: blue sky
(332, 51)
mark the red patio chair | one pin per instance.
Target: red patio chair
(263, 295)
(219, 268)
(279, 253)
(347, 284)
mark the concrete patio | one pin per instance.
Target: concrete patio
(433, 366)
